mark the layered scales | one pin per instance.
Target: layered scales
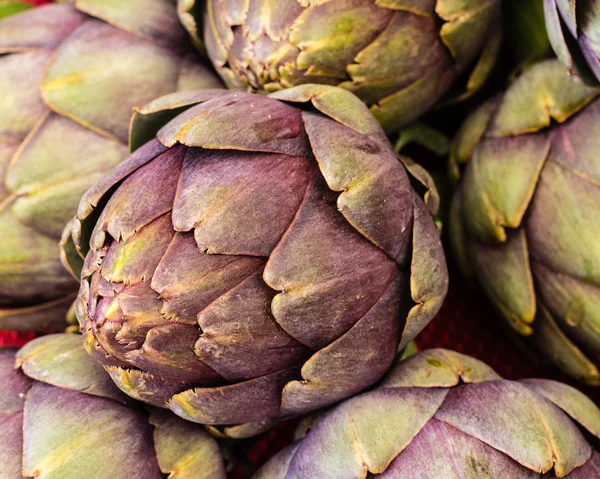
(215, 274)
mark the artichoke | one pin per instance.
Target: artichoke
(256, 261)
(525, 220)
(62, 417)
(573, 28)
(440, 414)
(70, 76)
(399, 56)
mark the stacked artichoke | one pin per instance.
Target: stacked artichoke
(399, 56)
(441, 414)
(62, 417)
(526, 217)
(283, 262)
(252, 255)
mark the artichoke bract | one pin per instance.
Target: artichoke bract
(525, 220)
(62, 417)
(70, 75)
(399, 56)
(573, 28)
(263, 257)
(440, 414)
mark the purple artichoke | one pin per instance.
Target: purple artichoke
(62, 417)
(525, 220)
(440, 414)
(70, 76)
(399, 56)
(574, 30)
(258, 260)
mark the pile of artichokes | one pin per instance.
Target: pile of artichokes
(203, 199)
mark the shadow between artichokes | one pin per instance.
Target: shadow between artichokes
(70, 75)
(62, 417)
(262, 257)
(401, 57)
(525, 220)
(440, 414)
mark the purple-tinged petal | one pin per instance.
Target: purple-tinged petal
(97, 47)
(168, 351)
(278, 466)
(254, 400)
(256, 195)
(563, 226)
(11, 439)
(49, 175)
(148, 119)
(338, 104)
(145, 387)
(556, 33)
(575, 143)
(47, 317)
(353, 362)
(269, 126)
(136, 259)
(576, 404)
(22, 105)
(538, 436)
(321, 266)
(364, 434)
(140, 157)
(45, 27)
(144, 196)
(14, 384)
(156, 20)
(375, 189)
(188, 280)
(240, 339)
(463, 456)
(61, 435)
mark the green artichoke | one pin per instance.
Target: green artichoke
(62, 418)
(70, 76)
(259, 260)
(574, 31)
(441, 414)
(525, 220)
(399, 56)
